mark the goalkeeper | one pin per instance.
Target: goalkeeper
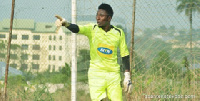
(104, 38)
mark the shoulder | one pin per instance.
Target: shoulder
(86, 28)
(89, 25)
(119, 30)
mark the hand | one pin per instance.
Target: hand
(127, 83)
(61, 22)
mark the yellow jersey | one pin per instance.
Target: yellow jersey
(104, 45)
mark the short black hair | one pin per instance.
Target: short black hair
(107, 8)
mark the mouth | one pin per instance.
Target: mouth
(99, 24)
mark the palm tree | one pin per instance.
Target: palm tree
(189, 7)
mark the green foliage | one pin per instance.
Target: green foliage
(37, 91)
(42, 95)
(148, 50)
(28, 75)
(163, 29)
(163, 66)
(2, 49)
(148, 32)
(53, 77)
(83, 65)
(2, 45)
(188, 74)
(140, 64)
(17, 80)
(66, 70)
(50, 77)
(178, 53)
(197, 72)
(172, 29)
(15, 46)
(188, 6)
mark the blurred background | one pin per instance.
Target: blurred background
(166, 48)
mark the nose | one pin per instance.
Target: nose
(97, 17)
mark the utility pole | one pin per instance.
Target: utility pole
(8, 50)
(132, 50)
(74, 58)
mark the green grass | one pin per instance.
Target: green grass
(147, 86)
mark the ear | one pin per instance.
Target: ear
(109, 18)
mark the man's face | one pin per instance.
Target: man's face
(103, 19)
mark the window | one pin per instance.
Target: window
(49, 57)
(24, 56)
(54, 47)
(54, 37)
(13, 56)
(36, 47)
(2, 36)
(24, 66)
(60, 37)
(60, 57)
(53, 68)
(14, 37)
(49, 47)
(60, 68)
(50, 38)
(13, 65)
(24, 47)
(25, 37)
(54, 57)
(35, 66)
(14, 46)
(36, 57)
(48, 26)
(49, 68)
(36, 37)
(60, 48)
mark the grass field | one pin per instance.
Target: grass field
(146, 88)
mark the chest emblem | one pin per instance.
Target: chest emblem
(104, 50)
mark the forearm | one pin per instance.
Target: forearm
(126, 63)
(73, 27)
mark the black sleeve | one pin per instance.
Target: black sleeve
(74, 28)
(126, 62)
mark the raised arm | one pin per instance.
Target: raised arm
(62, 22)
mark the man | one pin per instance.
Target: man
(104, 38)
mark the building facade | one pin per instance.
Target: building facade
(35, 46)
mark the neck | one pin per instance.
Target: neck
(106, 28)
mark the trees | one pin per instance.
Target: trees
(163, 29)
(163, 66)
(83, 62)
(189, 7)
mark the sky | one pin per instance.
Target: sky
(149, 13)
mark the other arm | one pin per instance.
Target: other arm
(127, 75)
(126, 63)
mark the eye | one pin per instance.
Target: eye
(101, 15)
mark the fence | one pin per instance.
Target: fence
(166, 47)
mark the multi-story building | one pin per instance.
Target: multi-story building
(35, 46)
